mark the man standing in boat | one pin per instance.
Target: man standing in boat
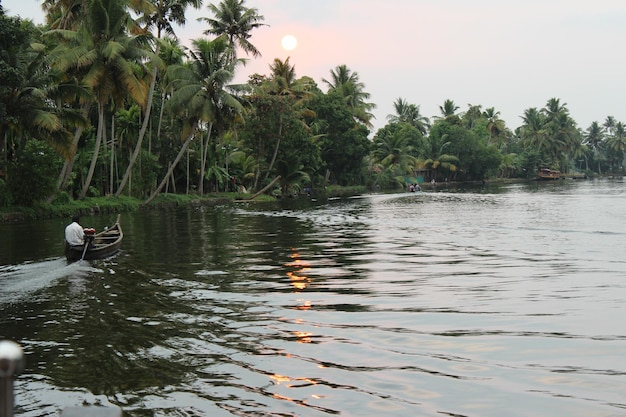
(74, 234)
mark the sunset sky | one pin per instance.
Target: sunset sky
(507, 54)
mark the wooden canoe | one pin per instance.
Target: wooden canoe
(105, 244)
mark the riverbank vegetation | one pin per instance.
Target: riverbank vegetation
(104, 103)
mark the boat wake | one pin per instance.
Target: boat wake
(20, 281)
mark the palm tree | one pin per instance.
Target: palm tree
(347, 83)
(609, 124)
(392, 153)
(171, 53)
(435, 158)
(128, 122)
(472, 115)
(448, 109)
(33, 101)
(246, 167)
(533, 132)
(580, 153)
(595, 138)
(65, 14)
(553, 108)
(409, 113)
(616, 143)
(283, 82)
(103, 55)
(508, 165)
(234, 21)
(495, 125)
(283, 79)
(561, 133)
(165, 12)
(292, 175)
(68, 15)
(566, 138)
(201, 95)
(400, 106)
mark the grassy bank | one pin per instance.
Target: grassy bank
(104, 205)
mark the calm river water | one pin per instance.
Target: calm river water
(494, 301)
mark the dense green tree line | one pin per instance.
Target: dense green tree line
(103, 100)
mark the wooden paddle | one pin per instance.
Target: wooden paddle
(84, 250)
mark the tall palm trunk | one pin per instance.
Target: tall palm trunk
(96, 150)
(68, 166)
(205, 152)
(160, 122)
(171, 169)
(112, 154)
(142, 133)
(280, 133)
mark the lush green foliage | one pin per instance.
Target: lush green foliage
(32, 179)
(343, 144)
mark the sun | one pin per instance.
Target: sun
(289, 42)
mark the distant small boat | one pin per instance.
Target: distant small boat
(106, 243)
(548, 174)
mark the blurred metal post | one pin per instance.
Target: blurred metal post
(11, 364)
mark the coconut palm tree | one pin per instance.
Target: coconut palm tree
(292, 175)
(234, 21)
(561, 132)
(32, 98)
(392, 153)
(244, 166)
(434, 157)
(508, 165)
(565, 139)
(64, 14)
(533, 131)
(595, 138)
(553, 108)
(409, 113)
(127, 122)
(495, 125)
(104, 56)
(171, 53)
(201, 95)
(616, 144)
(448, 109)
(346, 82)
(472, 115)
(68, 15)
(581, 153)
(35, 101)
(609, 124)
(283, 81)
(165, 12)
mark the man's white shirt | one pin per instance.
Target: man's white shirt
(74, 234)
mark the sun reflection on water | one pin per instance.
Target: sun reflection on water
(298, 276)
(297, 272)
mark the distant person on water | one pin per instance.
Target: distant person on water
(74, 234)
